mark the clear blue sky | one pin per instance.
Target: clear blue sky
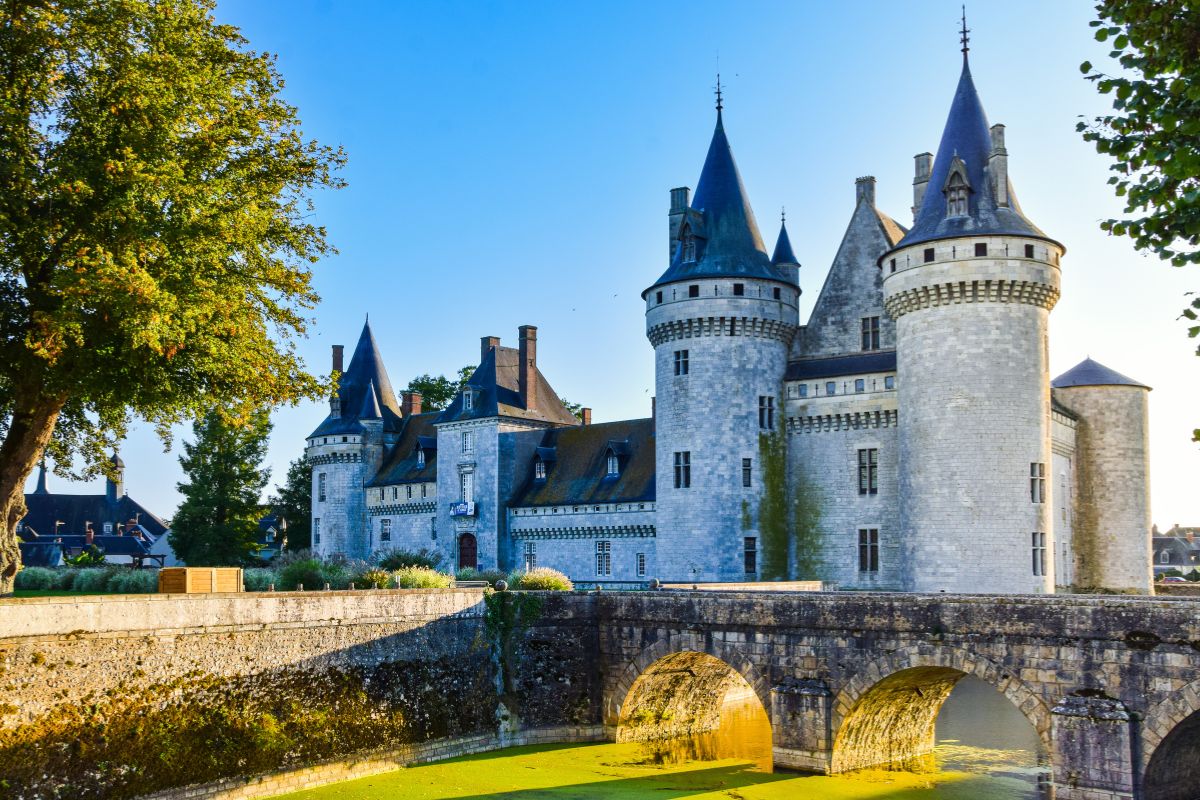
(510, 163)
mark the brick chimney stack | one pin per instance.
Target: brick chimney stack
(585, 416)
(527, 369)
(337, 358)
(410, 403)
(487, 344)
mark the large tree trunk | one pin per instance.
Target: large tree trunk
(32, 424)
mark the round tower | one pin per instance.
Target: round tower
(721, 320)
(970, 288)
(1112, 542)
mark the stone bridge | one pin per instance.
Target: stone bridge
(1110, 684)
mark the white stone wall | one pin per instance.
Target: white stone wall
(713, 413)
(413, 521)
(565, 537)
(342, 515)
(1062, 446)
(1112, 531)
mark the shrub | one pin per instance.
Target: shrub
(373, 579)
(305, 572)
(490, 576)
(133, 581)
(422, 578)
(91, 579)
(259, 579)
(289, 557)
(339, 571)
(392, 560)
(36, 578)
(541, 579)
(64, 579)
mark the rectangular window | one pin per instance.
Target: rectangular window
(641, 565)
(683, 470)
(466, 483)
(681, 362)
(658, 297)
(316, 530)
(468, 441)
(980, 248)
(530, 555)
(409, 492)
(420, 459)
(804, 390)
(889, 382)
(831, 387)
(1039, 553)
(539, 470)
(693, 290)
(603, 559)
(385, 530)
(870, 333)
(766, 412)
(860, 385)
(928, 254)
(1029, 251)
(868, 550)
(423, 489)
(750, 555)
(614, 464)
(1037, 482)
(868, 471)
(739, 289)
(321, 487)
(747, 464)
(778, 293)
(893, 265)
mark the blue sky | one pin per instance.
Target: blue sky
(510, 164)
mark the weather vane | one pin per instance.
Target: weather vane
(963, 34)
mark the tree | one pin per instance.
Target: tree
(217, 522)
(437, 392)
(1153, 134)
(293, 500)
(155, 238)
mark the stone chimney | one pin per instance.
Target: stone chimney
(680, 196)
(924, 165)
(487, 344)
(585, 416)
(114, 489)
(410, 403)
(527, 368)
(337, 358)
(998, 166)
(864, 190)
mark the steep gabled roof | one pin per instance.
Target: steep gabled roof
(967, 137)
(75, 510)
(809, 369)
(365, 373)
(732, 245)
(497, 393)
(1093, 373)
(578, 474)
(401, 464)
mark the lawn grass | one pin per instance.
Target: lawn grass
(50, 593)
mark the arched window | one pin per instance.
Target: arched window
(956, 196)
(1164, 557)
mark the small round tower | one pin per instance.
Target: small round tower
(970, 288)
(1112, 542)
(721, 320)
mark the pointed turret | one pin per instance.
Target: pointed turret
(370, 405)
(365, 372)
(718, 235)
(968, 192)
(783, 248)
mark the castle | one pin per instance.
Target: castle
(908, 437)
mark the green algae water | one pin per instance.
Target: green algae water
(986, 751)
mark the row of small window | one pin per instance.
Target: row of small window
(410, 492)
(603, 559)
(739, 290)
(325, 439)
(860, 386)
(981, 251)
(612, 467)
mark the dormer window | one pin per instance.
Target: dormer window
(957, 189)
(614, 465)
(421, 459)
(270, 535)
(468, 400)
(539, 470)
(688, 245)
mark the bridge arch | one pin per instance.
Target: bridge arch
(1171, 746)
(677, 684)
(888, 711)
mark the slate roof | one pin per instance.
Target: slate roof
(400, 464)
(857, 364)
(365, 375)
(497, 386)
(967, 136)
(578, 471)
(74, 510)
(730, 243)
(112, 545)
(41, 554)
(1093, 373)
(783, 248)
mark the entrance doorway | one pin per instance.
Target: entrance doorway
(467, 551)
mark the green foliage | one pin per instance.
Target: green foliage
(808, 557)
(488, 575)
(37, 578)
(259, 579)
(293, 500)
(541, 579)
(217, 523)
(421, 578)
(774, 517)
(156, 231)
(1153, 134)
(90, 556)
(306, 573)
(438, 391)
(374, 579)
(392, 560)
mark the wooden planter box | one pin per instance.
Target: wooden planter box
(199, 580)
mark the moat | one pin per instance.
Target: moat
(986, 751)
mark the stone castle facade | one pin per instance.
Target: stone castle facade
(908, 437)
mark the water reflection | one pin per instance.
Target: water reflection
(744, 734)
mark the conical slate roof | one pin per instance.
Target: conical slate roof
(967, 136)
(370, 404)
(1093, 373)
(783, 248)
(365, 374)
(730, 243)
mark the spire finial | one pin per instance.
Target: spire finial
(964, 34)
(783, 214)
(720, 105)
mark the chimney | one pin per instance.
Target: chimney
(680, 197)
(864, 190)
(335, 400)
(410, 403)
(998, 166)
(486, 344)
(924, 164)
(89, 535)
(337, 358)
(585, 416)
(527, 369)
(653, 409)
(114, 489)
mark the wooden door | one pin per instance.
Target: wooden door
(467, 551)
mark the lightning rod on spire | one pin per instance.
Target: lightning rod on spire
(964, 36)
(720, 105)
